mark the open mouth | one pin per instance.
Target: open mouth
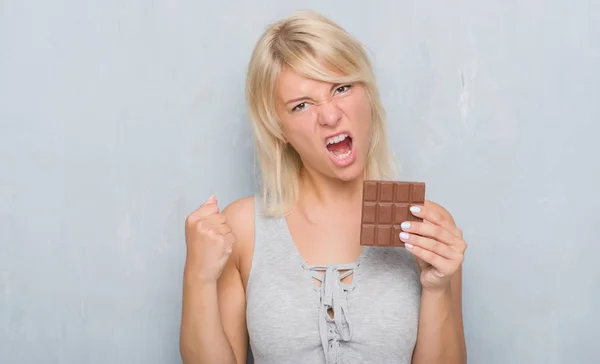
(340, 146)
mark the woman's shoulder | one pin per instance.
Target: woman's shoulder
(239, 215)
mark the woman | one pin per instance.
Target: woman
(284, 272)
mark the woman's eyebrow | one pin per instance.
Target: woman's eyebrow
(298, 99)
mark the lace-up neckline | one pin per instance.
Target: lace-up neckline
(333, 297)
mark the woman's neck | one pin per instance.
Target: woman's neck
(317, 189)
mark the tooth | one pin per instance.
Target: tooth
(336, 139)
(345, 155)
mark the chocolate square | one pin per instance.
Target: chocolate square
(385, 206)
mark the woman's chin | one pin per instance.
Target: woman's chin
(350, 172)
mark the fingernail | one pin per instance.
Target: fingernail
(403, 236)
(408, 246)
(405, 225)
(415, 209)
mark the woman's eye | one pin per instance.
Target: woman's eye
(299, 107)
(343, 88)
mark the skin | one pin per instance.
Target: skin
(220, 244)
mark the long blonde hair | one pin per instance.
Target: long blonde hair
(317, 48)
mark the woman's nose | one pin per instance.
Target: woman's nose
(329, 114)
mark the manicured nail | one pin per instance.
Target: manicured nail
(415, 209)
(405, 225)
(408, 246)
(403, 236)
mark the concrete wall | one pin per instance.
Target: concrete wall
(119, 117)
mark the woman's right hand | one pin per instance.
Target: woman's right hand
(209, 242)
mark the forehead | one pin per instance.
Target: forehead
(291, 84)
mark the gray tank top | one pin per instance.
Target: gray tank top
(375, 318)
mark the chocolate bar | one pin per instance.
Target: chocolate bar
(386, 205)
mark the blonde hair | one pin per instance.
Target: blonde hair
(317, 48)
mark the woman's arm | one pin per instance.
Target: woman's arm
(203, 336)
(213, 327)
(439, 249)
(441, 334)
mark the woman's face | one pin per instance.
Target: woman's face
(329, 125)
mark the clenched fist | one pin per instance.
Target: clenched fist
(209, 242)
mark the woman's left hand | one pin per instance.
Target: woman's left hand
(437, 244)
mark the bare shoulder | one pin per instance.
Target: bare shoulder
(240, 215)
(240, 218)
